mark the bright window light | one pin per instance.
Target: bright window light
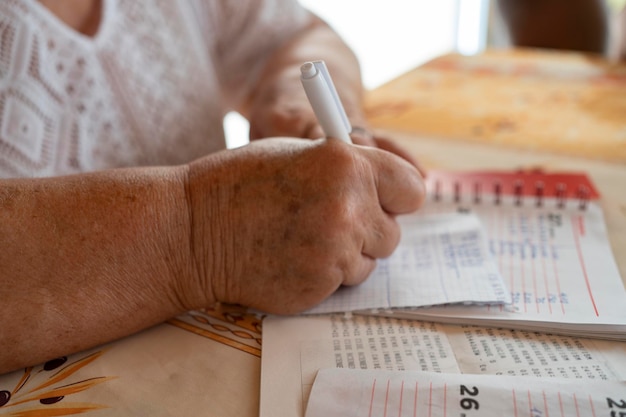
(471, 33)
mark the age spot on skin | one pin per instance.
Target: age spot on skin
(293, 206)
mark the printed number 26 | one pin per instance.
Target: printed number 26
(614, 404)
(469, 403)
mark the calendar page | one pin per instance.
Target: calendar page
(359, 393)
(548, 237)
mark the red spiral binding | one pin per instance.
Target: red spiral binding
(479, 186)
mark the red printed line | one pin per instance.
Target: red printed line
(576, 232)
(534, 254)
(534, 269)
(386, 399)
(522, 264)
(581, 225)
(523, 277)
(593, 409)
(415, 400)
(401, 393)
(561, 404)
(545, 404)
(372, 397)
(511, 259)
(545, 282)
(541, 255)
(430, 400)
(576, 406)
(490, 236)
(530, 404)
(514, 403)
(557, 279)
(445, 400)
(501, 255)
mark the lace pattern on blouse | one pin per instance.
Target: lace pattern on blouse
(143, 91)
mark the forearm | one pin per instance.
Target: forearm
(88, 259)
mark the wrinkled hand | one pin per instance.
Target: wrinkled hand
(290, 114)
(286, 113)
(364, 136)
(280, 224)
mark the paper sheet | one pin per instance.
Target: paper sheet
(295, 348)
(358, 393)
(558, 265)
(441, 259)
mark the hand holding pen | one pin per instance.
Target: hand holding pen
(326, 104)
(325, 101)
(283, 108)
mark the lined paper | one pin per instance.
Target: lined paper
(359, 393)
(441, 259)
(558, 265)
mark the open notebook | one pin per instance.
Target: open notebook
(547, 234)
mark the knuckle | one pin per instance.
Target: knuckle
(388, 238)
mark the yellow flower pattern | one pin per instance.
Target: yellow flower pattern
(43, 391)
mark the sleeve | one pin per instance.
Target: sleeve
(243, 33)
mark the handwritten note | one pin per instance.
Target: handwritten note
(441, 259)
(359, 393)
(558, 265)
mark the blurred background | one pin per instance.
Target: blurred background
(375, 30)
(392, 37)
(435, 28)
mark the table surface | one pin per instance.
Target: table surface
(565, 103)
(208, 362)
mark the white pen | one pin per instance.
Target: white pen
(325, 101)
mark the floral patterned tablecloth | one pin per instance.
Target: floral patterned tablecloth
(201, 363)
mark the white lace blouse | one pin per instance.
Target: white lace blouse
(150, 88)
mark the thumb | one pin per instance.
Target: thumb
(400, 185)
